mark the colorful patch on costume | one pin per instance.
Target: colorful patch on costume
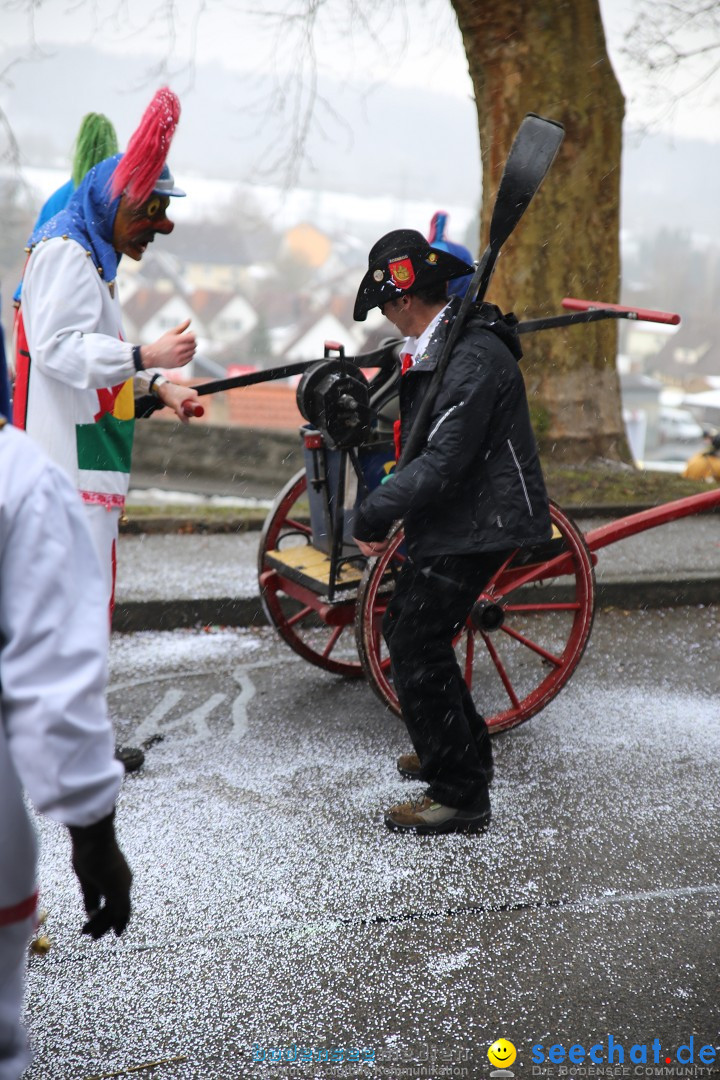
(118, 400)
(402, 273)
(105, 446)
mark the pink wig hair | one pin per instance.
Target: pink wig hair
(143, 161)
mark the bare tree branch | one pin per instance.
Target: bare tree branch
(295, 102)
(667, 35)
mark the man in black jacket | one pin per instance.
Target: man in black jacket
(472, 496)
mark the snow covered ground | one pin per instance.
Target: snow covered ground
(274, 911)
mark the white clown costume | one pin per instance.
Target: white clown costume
(79, 397)
(56, 740)
(75, 375)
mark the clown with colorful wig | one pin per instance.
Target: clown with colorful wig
(76, 375)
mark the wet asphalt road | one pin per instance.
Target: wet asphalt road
(273, 910)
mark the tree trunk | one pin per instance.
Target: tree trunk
(549, 57)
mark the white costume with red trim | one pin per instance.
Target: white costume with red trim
(73, 386)
(79, 391)
(56, 741)
(74, 391)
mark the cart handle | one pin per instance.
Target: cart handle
(381, 357)
(642, 314)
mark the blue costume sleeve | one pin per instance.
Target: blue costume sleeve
(57, 201)
(52, 206)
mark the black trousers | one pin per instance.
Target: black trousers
(430, 604)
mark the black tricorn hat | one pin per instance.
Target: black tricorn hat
(402, 262)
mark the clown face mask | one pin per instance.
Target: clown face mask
(135, 226)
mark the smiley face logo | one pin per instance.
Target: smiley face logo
(502, 1054)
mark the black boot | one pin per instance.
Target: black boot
(131, 757)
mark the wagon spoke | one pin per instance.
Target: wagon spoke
(540, 608)
(560, 566)
(550, 657)
(501, 671)
(333, 639)
(297, 526)
(299, 616)
(469, 656)
(490, 587)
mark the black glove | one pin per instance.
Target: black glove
(103, 874)
(146, 405)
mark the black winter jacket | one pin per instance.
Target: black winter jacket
(477, 485)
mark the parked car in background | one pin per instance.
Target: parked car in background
(678, 425)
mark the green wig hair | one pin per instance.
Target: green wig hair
(96, 141)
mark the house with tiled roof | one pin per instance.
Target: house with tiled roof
(308, 339)
(227, 317)
(148, 313)
(690, 357)
(218, 255)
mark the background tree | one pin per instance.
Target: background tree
(550, 57)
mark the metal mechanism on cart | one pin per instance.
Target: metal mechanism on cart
(345, 456)
(335, 400)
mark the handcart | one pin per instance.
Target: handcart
(528, 629)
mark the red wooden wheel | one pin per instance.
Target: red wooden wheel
(524, 638)
(321, 634)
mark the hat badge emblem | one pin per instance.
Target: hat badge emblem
(402, 272)
(378, 275)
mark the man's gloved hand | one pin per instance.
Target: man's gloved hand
(103, 875)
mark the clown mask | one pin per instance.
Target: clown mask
(135, 226)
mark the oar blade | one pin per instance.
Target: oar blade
(532, 153)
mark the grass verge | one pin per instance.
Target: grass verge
(610, 487)
(576, 487)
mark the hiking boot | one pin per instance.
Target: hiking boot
(408, 765)
(424, 816)
(130, 756)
